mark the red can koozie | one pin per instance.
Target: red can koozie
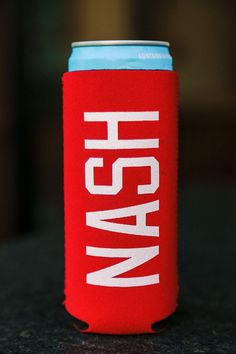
(120, 183)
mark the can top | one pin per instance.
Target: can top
(120, 55)
(119, 42)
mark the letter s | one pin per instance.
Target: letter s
(117, 174)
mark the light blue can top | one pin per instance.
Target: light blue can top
(118, 55)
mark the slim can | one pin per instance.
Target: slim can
(120, 186)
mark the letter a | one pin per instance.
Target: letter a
(98, 219)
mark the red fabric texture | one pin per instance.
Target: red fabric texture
(118, 309)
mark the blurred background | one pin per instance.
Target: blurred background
(35, 38)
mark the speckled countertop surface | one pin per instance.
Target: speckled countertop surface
(32, 319)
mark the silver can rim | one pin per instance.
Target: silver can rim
(119, 42)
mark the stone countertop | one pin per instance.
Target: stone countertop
(33, 320)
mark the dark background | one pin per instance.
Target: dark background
(35, 39)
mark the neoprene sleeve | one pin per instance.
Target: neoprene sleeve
(120, 188)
